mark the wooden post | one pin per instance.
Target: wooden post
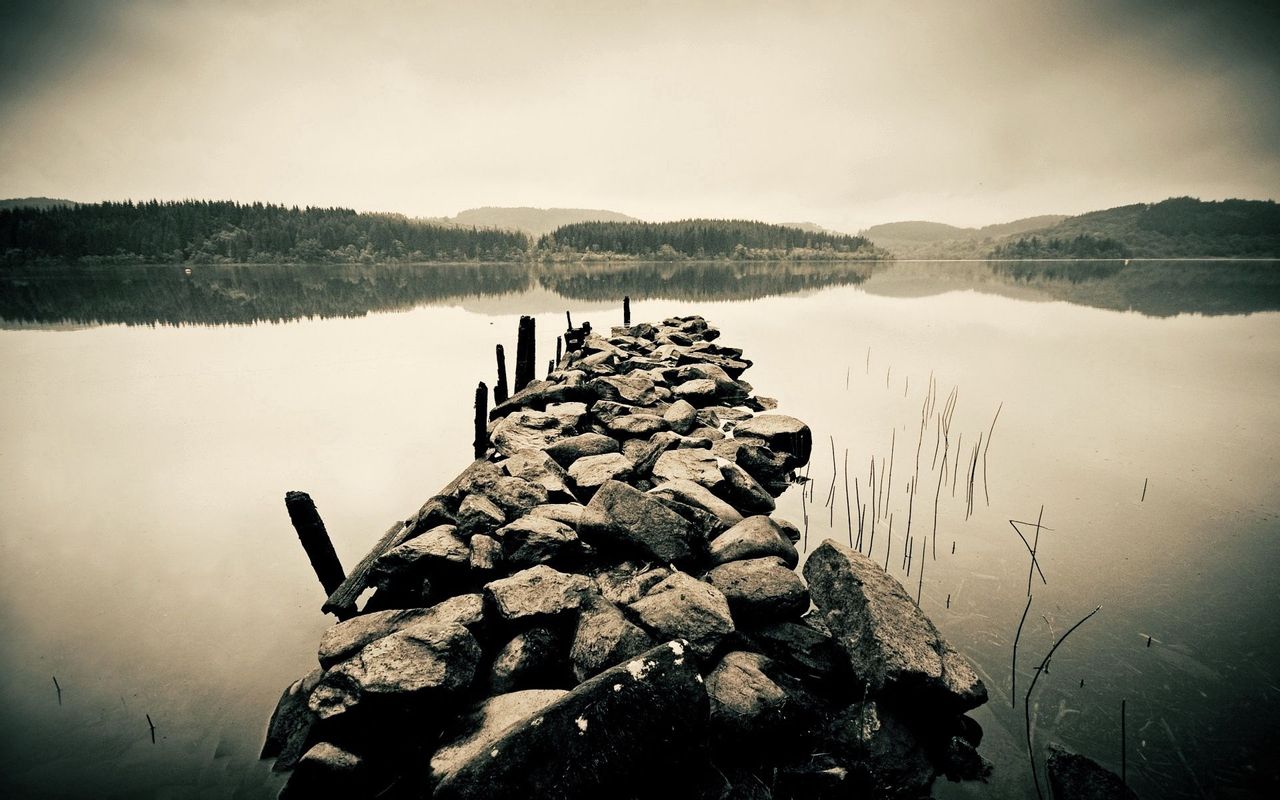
(568, 319)
(559, 341)
(481, 443)
(315, 540)
(526, 353)
(626, 311)
(500, 393)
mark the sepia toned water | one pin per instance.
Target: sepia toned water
(153, 420)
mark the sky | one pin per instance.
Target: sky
(844, 114)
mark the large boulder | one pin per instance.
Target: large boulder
(523, 430)
(695, 494)
(760, 590)
(783, 434)
(589, 473)
(682, 606)
(533, 540)
(620, 517)
(568, 450)
(289, 731)
(439, 548)
(604, 637)
(532, 659)
(537, 467)
(681, 417)
(536, 593)
(1076, 777)
(889, 643)
(696, 465)
(753, 537)
(633, 388)
(606, 738)
(342, 640)
(484, 724)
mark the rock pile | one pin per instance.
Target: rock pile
(602, 606)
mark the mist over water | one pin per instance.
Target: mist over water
(155, 419)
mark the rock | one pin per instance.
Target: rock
(960, 761)
(568, 513)
(623, 518)
(647, 453)
(705, 524)
(486, 553)
(726, 387)
(604, 638)
(289, 731)
(754, 537)
(629, 581)
(571, 448)
(712, 434)
(745, 703)
(327, 771)
(742, 490)
(695, 494)
(532, 659)
(516, 496)
(783, 434)
(808, 652)
(569, 414)
(477, 730)
(887, 640)
(883, 754)
(537, 467)
(634, 389)
(606, 411)
(523, 430)
(420, 664)
(699, 466)
(636, 426)
(533, 540)
(682, 606)
(789, 529)
(591, 472)
(479, 514)
(536, 592)
(1077, 777)
(606, 738)
(698, 392)
(346, 638)
(760, 590)
(681, 417)
(439, 547)
(734, 367)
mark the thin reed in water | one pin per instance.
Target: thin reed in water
(1013, 677)
(848, 509)
(991, 431)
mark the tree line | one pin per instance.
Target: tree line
(1080, 246)
(202, 231)
(701, 238)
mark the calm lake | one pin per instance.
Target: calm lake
(153, 420)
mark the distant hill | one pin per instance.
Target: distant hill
(533, 221)
(35, 202)
(699, 239)
(923, 239)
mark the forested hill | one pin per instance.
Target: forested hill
(533, 221)
(699, 239)
(198, 231)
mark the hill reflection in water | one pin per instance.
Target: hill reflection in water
(244, 295)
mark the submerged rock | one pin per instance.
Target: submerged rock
(888, 641)
(1076, 777)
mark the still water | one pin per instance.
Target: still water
(152, 422)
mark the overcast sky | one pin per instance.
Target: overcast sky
(846, 114)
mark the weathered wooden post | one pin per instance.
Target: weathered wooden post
(481, 443)
(525, 353)
(315, 540)
(558, 353)
(500, 393)
(626, 311)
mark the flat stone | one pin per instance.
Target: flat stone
(516, 496)
(537, 592)
(695, 494)
(440, 547)
(606, 411)
(571, 448)
(888, 641)
(603, 739)
(698, 392)
(346, 638)
(623, 518)
(634, 389)
(533, 540)
(591, 472)
(524, 430)
(684, 607)
(477, 730)
(699, 466)
(783, 434)
(636, 426)
(568, 513)
(754, 537)
(760, 590)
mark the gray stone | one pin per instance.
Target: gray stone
(568, 513)
(606, 411)
(477, 730)
(888, 641)
(570, 449)
(881, 750)
(537, 592)
(783, 434)
(591, 472)
(629, 581)
(603, 739)
(695, 494)
(289, 731)
(440, 547)
(604, 638)
(623, 518)
(634, 389)
(636, 426)
(533, 540)
(742, 490)
(745, 702)
(486, 553)
(327, 771)
(681, 416)
(569, 414)
(516, 496)
(1076, 777)
(753, 537)
(479, 514)
(346, 638)
(699, 466)
(698, 392)
(532, 659)
(538, 467)
(524, 430)
(760, 590)
(684, 607)
(807, 651)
